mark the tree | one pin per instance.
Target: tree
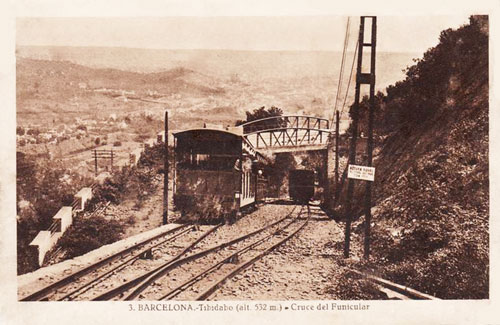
(81, 127)
(363, 113)
(20, 130)
(261, 113)
(433, 81)
(33, 132)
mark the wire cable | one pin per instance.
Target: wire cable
(342, 64)
(350, 76)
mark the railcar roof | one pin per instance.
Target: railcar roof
(231, 131)
(236, 132)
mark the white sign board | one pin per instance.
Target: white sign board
(361, 172)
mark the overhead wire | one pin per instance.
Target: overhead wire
(350, 76)
(342, 64)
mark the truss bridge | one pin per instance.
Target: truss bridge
(288, 133)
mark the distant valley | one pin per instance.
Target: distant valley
(73, 96)
(223, 82)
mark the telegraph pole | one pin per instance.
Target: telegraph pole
(354, 136)
(369, 143)
(361, 78)
(165, 173)
(95, 162)
(337, 130)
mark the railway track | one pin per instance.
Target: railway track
(217, 274)
(76, 284)
(132, 272)
(148, 283)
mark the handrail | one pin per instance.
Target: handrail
(282, 117)
(289, 128)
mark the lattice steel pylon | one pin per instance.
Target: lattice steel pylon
(369, 79)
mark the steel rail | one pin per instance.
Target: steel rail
(404, 290)
(121, 266)
(147, 281)
(181, 288)
(134, 282)
(42, 293)
(243, 266)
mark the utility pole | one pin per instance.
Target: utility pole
(352, 152)
(361, 78)
(369, 143)
(111, 159)
(165, 173)
(95, 162)
(337, 124)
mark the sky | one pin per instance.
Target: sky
(301, 33)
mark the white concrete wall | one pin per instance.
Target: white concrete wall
(65, 214)
(43, 242)
(83, 196)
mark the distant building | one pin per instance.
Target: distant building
(126, 92)
(160, 137)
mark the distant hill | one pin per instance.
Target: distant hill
(196, 85)
(38, 79)
(245, 65)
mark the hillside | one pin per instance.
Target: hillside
(62, 91)
(248, 66)
(38, 77)
(430, 225)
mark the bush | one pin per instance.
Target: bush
(110, 191)
(352, 286)
(85, 235)
(27, 257)
(20, 130)
(33, 132)
(117, 143)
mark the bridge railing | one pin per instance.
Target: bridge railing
(287, 137)
(286, 121)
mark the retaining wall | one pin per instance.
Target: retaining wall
(47, 239)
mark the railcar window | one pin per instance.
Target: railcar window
(186, 160)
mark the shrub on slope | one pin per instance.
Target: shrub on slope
(431, 225)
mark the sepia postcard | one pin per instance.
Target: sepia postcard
(231, 161)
